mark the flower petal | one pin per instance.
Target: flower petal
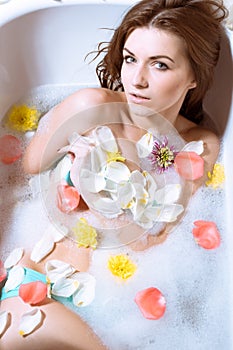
(107, 206)
(151, 303)
(57, 231)
(92, 182)
(206, 234)
(33, 293)
(15, 277)
(65, 287)
(194, 146)
(67, 198)
(4, 320)
(14, 257)
(10, 149)
(117, 172)
(189, 165)
(168, 194)
(86, 291)
(126, 192)
(169, 213)
(56, 269)
(30, 321)
(145, 145)
(106, 139)
(42, 248)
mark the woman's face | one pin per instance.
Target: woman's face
(156, 72)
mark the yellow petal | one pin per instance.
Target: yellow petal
(30, 321)
(4, 319)
(15, 277)
(14, 257)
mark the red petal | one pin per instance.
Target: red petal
(33, 292)
(151, 302)
(10, 149)
(189, 165)
(67, 198)
(206, 234)
(3, 272)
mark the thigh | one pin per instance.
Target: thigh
(61, 329)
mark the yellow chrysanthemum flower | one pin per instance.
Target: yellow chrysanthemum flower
(217, 178)
(23, 118)
(121, 266)
(85, 234)
(114, 157)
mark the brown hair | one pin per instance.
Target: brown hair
(196, 21)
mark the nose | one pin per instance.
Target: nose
(140, 79)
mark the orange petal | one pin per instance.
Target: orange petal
(189, 165)
(206, 234)
(33, 292)
(10, 149)
(151, 302)
(3, 272)
(67, 198)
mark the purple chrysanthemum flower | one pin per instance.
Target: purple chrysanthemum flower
(162, 156)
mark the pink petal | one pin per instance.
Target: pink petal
(206, 234)
(151, 302)
(3, 272)
(189, 165)
(33, 292)
(10, 149)
(67, 198)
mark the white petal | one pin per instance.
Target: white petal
(15, 278)
(42, 248)
(194, 146)
(137, 177)
(56, 269)
(29, 321)
(62, 168)
(4, 319)
(106, 139)
(65, 287)
(86, 292)
(145, 145)
(151, 185)
(91, 182)
(107, 206)
(126, 193)
(57, 231)
(168, 194)
(169, 213)
(117, 172)
(14, 257)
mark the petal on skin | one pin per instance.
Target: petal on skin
(15, 277)
(56, 269)
(169, 213)
(206, 234)
(168, 194)
(42, 248)
(106, 139)
(92, 182)
(14, 257)
(117, 172)
(57, 231)
(4, 320)
(65, 287)
(3, 273)
(68, 198)
(151, 303)
(33, 293)
(189, 165)
(86, 291)
(145, 145)
(194, 146)
(30, 321)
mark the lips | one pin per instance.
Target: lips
(137, 98)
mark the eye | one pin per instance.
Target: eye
(129, 59)
(160, 65)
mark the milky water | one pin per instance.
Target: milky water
(193, 280)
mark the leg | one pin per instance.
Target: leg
(61, 329)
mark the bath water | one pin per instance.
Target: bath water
(193, 280)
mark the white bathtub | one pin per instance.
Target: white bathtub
(45, 41)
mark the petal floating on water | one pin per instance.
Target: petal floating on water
(10, 149)
(151, 302)
(15, 277)
(14, 257)
(206, 234)
(33, 293)
(30, 321)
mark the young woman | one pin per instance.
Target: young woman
(161, 57)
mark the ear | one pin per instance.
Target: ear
(193, 84)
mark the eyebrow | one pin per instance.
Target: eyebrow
(152, 57)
